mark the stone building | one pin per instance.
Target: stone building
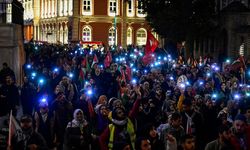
(120, 22)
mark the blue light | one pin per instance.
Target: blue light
(214, 96)
(36, 48)
(165, 58)
(28, 66)
(134, 70)
(208, 74)
(56, 70)
(228, 61)
(117, 59)
(236, 96)
(152, 65)
(187, 83)
(140, 54)
(71, 75)
(131, 65)
(33, 74)
(171, 78)
(182, 85)
(89, 92)
(145, 71)
(134, 81)
(44, 100)
(159, 57)
(169, 56)
(216, 68)
(75, 52)
(248, 94)
(201, 83)
(41, 81)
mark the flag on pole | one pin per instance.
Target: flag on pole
(13, 127)
(95, 60)
(152, 43)
(107, 60)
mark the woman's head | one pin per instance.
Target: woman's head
(78, 115)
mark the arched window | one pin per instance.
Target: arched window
(112, 36)
(65, 37)
(86, 34)
(141, 37)
(129, 36)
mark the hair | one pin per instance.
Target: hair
(138, 142)
(223, 128)
(175, 116)
(185, 137)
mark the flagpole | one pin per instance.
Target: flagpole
(10, 126)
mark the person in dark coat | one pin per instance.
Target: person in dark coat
(78, 133)
(9, 97)
(26, 138)
(44, 123)
(6, 71)
(62, 110)
(28, 96)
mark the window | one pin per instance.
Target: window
(130, 10)
(87, 7)
(65, 7)
(86, 34)
(112, 36)
(129, 36)
(140, 9)
(141, 37)
(113, 7)
(70, 7)
(61, 8)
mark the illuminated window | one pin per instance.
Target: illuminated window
(53, 8)
(112, 36)
(113, 7)
(141, 37)
(46, 9)
(129, 36)
(42, 9)
(65, 36)
(87, 7)
(130, 10)
(86, 34)
(140, 12)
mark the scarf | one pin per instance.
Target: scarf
(189, 129)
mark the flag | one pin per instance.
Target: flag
(152, 43)
(237, 64)
(13, 127)
(107, 60)
(95, 60)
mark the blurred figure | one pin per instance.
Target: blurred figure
(44, 123)
(6, 71)
(78, 133)
(223, 140)
(142, 143)
(241, 133)
(28, 92)
(188, 142)
(9, 97)
(27, 138)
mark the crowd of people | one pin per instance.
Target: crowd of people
(89, 98)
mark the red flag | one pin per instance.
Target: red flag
(95, 60)
(13, 126)
(108, 60)
(152, 43)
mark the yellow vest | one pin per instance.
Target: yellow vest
(130, 129)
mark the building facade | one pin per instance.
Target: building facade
(119, 22)
(231, 36)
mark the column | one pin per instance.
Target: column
(65, 7)
(124, 24)
(76, 20)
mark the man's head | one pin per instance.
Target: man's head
(26, 124)
(187, 104)
(224, 133)
(142, 143)
(175, 119)
(240, 123)
(188, 142)
(9, 80)
(5, 65)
